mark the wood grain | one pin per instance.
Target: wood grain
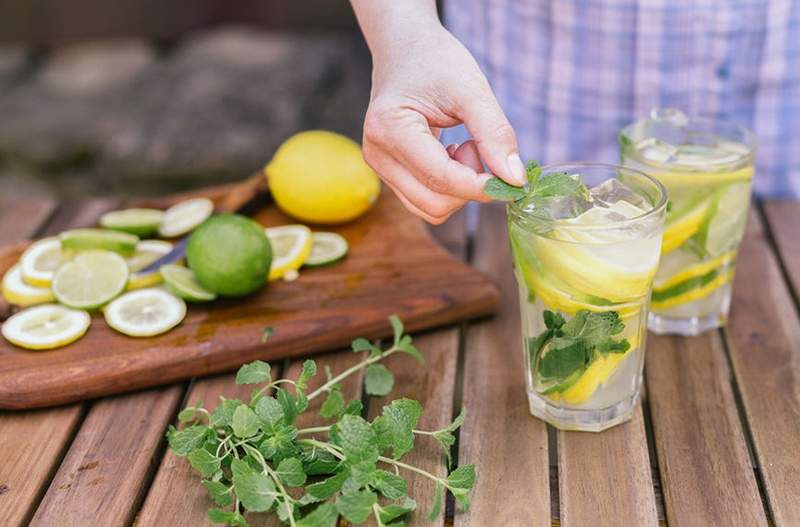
(605, 478)
(763, 336)
(507, 445)
(394, 267)
(706, 475)
(783, 218)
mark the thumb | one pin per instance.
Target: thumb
(494, 137)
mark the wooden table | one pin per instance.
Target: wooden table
(716, 442)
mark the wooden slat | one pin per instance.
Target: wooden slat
(605, 479)
(33, 443)
(507, 445)
(706, 474)
(783, 218)
(763, 334)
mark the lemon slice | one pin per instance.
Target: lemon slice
(291, 245)
(40, 260)
(182, 283)
(697, 288)
(17, 292)
(147, 252)
(725, 227)
(683, 178)
(185, 216)
(141, 222)
(104, 239)
(693, 271)
(145, 313)
(46, 327)
(326, 247)
(90, 279)
(684, 225)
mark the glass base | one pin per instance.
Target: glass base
(582, 420)
(687, 327)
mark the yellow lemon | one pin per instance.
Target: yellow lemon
(321, 177)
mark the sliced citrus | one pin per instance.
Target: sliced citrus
(145, 312)
(40, 260)
(182, 283)
(326, 247)
(685, 178)
(682, 225)
(724, 229)
(291, 245)
(185, 216)
(147, 252)
(141, 222)
(90, 279)
(17, 292)
(693, 271)
(690, 290)
(103, 239)
(46, 327)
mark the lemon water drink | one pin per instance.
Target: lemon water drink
(707, 168)
(584, 265)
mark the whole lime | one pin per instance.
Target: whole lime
(230, 255)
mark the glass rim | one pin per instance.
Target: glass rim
(660, 205)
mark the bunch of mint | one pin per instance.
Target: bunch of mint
(254, 459)
(556, 184)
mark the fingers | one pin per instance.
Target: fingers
(467, 154)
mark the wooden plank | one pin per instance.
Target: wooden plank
(605, 479)
(507, 445)
(763, 335)
(706, 475)
(20, 218)
(783, 217)
(33, 443)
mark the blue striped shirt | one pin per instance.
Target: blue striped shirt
(571, 73)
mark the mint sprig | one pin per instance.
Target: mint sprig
(252, 457)
(556, 184)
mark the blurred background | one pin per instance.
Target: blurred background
(143, 97)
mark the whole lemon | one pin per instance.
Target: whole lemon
(321, 177)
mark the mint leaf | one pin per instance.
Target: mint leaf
(333, 406)
(309, 370)
(318, 462)
(270, 412)
(397, 328)
(390, 485)
(255, 490)
(244, 422)
(446, 436)
(395, 427)
(406, 346)
(534, 171)
(268, 332)
(253, 373)
(378, 380)
(460, 482)
(356, 506)
(204, 462)
(227, 517)
(280, 444)
(563, 356)
(552, 320)
(288, 405)
(438, 498)
(323, 516)
(356, 438)
(218, 492)
(559, 184)
(354, 407)
(498, 189)
(290, 472)
(188, 414)
(322, 490)
(184, 441)
(395, 510)
(613, 346)
(223, 414)
(593, 327)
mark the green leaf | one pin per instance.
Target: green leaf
(564, 355)
(254, 373)
(245, 422)
(559, 184)
(553, 320)
(288, 405)
(219, 492)
(268, 332)
(317, 461)
(290, 472)
(534, 171)
(498, 189)
(390, 485)
(322, 490)
(228, 517)
(378, 380)
(446, 436)
(361, 344)
(356, 438)
(460, 483)
(613, 346)
(395, 510)
(354, 407)
(308, 371)
(284, 510)
(279, 445)
(184, 441)
(270, 413)
(397, 328)
(204, 462)
(189, 413)
(223, 414)
(254, 489)
(356, 506)
(395, 427)
(333, 406)
(323, 516)
(438, 498)
(406, 346)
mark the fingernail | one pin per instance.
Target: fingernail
(516, 169)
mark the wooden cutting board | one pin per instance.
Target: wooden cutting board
(394, 266)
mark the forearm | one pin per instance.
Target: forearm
(387, 23)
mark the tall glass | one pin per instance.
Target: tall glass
(707, 167)
(584, 267)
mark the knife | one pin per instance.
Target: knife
(229, 198)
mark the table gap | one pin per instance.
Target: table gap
(655, 471)
(769, 237)
(458, 404)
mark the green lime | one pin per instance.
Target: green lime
(724, 228)
(90, 279)
(326, 247)
(230, 255)
(182, 282)
(108, 240)
(141, 222)
(185, 216)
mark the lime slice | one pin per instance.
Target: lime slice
(185, 216)
(684, 224)
(690, 290)
(693, 271)
(291, 245)
(141, 222)
(40, 260)
(145, 312)
(327, 247)
(46, 327)
(17, 292)
(182, 283)
(104, 239)
(90, 279)
(698, 179)
(147, 252)
(725, 226)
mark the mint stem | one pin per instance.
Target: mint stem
(351, 370)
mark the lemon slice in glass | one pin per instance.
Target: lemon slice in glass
(141, 222)
(185, 216)
(90, 279)
(17, 292)
(103, 239)
(40, 260)
(147, 252)
(291, 245)
(327, 247)
(145, 312)
(46, 327)
(182, 283)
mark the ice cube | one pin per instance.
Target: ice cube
(557, 207)
(656, 150)
(670, 115)
(610, 191)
